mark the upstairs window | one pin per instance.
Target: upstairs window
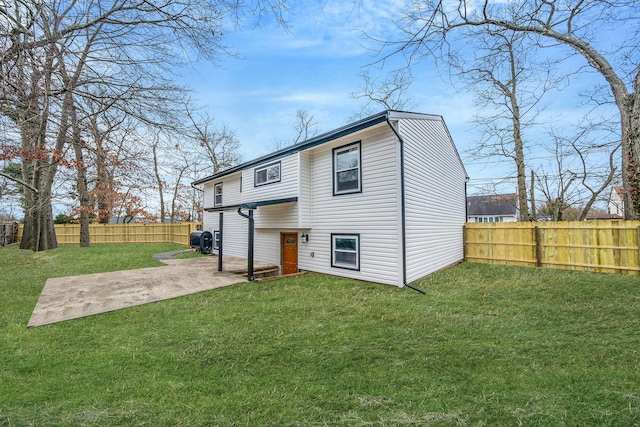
(267, 174)
(345, 251)
(217, 195)
(347, 173)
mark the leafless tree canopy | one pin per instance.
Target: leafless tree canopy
(74, 75)
(604, 34)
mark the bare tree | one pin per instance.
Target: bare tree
(218, 146)
(388, 93)
(53, 55)
(305, 127)
(584, 167)
(508, 86)
(431, 26)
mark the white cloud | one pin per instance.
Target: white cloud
(311, 97)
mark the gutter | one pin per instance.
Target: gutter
(402, 205)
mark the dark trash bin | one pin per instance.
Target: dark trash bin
(201, 241)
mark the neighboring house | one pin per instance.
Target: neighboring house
(492, 208)
(381, 200)
(595, 216)
(616, 201)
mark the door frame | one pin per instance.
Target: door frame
(282, 243)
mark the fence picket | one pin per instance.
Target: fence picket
(601, 246)
(126, 233)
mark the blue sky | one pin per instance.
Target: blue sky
(315, 65)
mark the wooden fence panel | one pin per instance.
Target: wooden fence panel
(126, 233)
(601, 246)
(511, 243)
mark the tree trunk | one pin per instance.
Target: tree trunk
(630, 114)
(104, 185)
(159, 180)
(38, 233)
(534, 214)
(81, 181)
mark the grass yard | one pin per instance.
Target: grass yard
(487, 345)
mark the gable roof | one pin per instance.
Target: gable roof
(495, 204)
(354, 127)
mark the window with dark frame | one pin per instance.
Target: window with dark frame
(217, 195)
(347, 171)
(345, 251)
(267, 174)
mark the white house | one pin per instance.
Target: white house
(616, 201)
(381, 200)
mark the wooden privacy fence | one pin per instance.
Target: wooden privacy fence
(601, 246)
(127, 233)
(8, 233)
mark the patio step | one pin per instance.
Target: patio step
(266, 272)
(260, 272)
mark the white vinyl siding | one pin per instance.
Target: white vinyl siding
(230, 188)
(305, 189)
(282, 215)
(234, 232)
(373, 214)
(285, 188)
(435, 203)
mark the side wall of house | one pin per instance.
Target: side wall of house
(286, 187)
(435, 202)
(373, 213)
(235, 227)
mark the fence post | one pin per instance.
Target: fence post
(464, 242)
(538, 248)
(638, 247)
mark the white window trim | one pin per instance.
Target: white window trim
(335, 264)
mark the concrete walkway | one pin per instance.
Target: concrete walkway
(66, 298)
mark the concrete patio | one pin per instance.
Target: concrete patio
(66, 298)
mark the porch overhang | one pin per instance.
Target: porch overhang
(251, 205)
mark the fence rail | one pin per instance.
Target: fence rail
(126, 233)
(601, 246)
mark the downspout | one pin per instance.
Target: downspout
(402, 206)
(250, 244)
(220, 225)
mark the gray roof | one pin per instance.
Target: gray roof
(367, 122)
(495, 204)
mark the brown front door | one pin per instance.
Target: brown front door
(289, 245)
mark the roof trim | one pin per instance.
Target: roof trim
(252, 205)
(340, 132)
(315, 141)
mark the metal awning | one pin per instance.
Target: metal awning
(251, 205)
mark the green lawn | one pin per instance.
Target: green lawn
(487, 345)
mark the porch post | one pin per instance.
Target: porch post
(219, 243)
(250, 243)
(250, 250)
